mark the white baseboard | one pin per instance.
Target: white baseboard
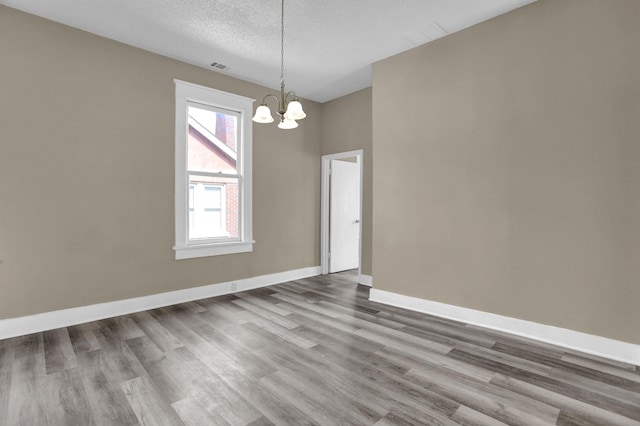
(595, 345)
(365, 280)
(21, 326)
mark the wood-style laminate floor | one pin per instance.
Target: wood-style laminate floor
(313, 351)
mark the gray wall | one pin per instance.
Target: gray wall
(346, 126)
(87, 174)
(506, 168)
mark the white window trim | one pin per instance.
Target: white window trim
(185, 249)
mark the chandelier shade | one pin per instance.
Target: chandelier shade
(287, 123)
(289, 107)
(263, 115)
(294, 111)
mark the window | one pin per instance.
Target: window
(213, 172)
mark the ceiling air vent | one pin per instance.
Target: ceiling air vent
(219, 66)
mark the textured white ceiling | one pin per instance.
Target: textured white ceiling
(329, 44)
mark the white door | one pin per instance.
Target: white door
(344, 216)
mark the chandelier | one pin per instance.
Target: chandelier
(288, 110)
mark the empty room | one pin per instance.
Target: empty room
(297, 212)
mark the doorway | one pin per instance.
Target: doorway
(341, 215)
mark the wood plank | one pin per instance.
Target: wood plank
(466, 415)
(58, 351)
(159, 335)
(28, 371)
(101, 377)
(7, 354)
(267, 314)
(66, 399)
(147, 403)
(197, 410)
(82, 338)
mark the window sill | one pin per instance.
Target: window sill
(206, 250)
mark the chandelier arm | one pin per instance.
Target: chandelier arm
(264, 100)
(291, 92)
(281, 109)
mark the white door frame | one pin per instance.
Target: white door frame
(324, 207)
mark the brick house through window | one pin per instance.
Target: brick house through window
(212, 148)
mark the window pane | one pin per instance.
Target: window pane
(216, 209)
(212, 197)
(212, 141)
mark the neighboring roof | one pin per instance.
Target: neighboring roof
(210, 136)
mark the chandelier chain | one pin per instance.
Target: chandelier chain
(282, 43)
(289, 107)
